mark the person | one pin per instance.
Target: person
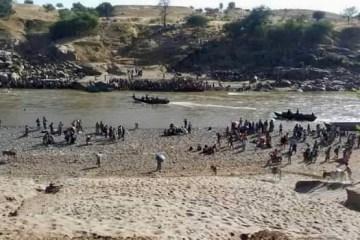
(336, 151)
(185, 123)
(51, 126)
(189, 127)
(293, 144)
(289, 155)
(231, 142)
(358, 139)
(327, 154)
(26, 134)
(38, 124)
(44, 122)
(159, 160)
(98, 158)
(97, 128)
(88, 140)
(60, 128)
(218, 135)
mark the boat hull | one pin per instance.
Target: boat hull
(344, 126)
(151, 101)
(295, 117)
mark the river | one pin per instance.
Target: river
(216, 109)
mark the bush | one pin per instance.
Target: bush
(6, 8)
(49, 7)
(76, 25)
(287, 35)
(253, 25)
(318, 15)
(317, 32)
(196, 21)
(105, 9)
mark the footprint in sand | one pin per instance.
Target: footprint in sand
(189, 213)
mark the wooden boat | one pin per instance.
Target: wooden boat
(151, 100)
(344, 126)
(295, 116)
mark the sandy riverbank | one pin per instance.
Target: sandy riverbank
(124, 197)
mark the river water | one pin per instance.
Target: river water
(216, 109)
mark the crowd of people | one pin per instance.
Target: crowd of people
(175, 84)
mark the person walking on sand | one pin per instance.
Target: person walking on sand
(218, 135)
(26, 134)
(336, 151)
(159, 160)
(327, 154)
(98, 158)
(289, 155)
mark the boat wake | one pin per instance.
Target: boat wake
(194, 105)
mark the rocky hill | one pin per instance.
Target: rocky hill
(134, 35)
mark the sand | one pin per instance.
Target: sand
(124, 197)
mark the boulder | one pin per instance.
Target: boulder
(115, 70)
(3, 77)
(64, 53)
(307, 88)
(353, 198)
(89, 69)
(284, 83)
(2, 64)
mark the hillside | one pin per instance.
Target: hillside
(25, 15)
(135, 35)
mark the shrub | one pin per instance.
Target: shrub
(196, 21)
(76, 25)
(6, 8)
(49, 7)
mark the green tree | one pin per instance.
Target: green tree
(318, 15)
(59, 5)
(78, 7)
(254, 24)
(49, 7)
(105, 9)
(28, 2)
(317, 32)
(164, 11)
(348, 13)
(221, 6)
(79, 24)
(231, 6)
(66, 13)
(197, 21)
(6, 8)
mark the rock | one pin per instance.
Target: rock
(353, 198)
(14, 76)
(115, 70)
(3, 77)
(307, 88)
(332, 88)
(64, 52)
(2, 64)
(89, 69)
(284, 83)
